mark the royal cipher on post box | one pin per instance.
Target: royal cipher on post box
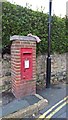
(23, 65)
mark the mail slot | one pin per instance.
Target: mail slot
(26, 63)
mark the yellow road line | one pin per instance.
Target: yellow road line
(55, 111)
(49, 110)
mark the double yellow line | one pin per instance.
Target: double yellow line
(65, 101)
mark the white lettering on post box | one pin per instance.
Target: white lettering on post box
(26, 63)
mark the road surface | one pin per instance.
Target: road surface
(58, 102)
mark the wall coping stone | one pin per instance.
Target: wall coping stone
(17, 37)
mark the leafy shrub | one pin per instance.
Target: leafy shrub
(17, 20)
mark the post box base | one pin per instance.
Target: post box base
(24, 89)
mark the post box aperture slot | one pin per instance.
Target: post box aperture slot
(28, 52)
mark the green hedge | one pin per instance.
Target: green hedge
(17, 20)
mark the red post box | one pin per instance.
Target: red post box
(26, 63)
(23, 65)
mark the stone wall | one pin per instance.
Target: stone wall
(5, 73)
(58, 69)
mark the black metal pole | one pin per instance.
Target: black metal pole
(48, 69)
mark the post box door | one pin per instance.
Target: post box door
(26, 63)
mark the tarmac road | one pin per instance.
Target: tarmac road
(58, 102)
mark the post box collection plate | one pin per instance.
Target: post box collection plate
(26, 64)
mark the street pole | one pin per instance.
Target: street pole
(48, 67)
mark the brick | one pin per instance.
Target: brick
(16, 73)
(17, 57)
(17, 45)
(15, 62)
(17, 67)
(17, 42)
(16, 54)
(15, 48)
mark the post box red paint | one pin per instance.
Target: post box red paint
(26, 63)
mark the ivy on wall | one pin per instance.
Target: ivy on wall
(17, 20)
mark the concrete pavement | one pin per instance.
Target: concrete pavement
(36, 105)
(24, 107)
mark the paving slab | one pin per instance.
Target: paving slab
(14, 106)
(24, 107)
